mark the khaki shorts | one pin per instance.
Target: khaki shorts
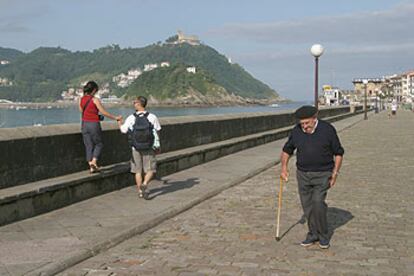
(143, 161)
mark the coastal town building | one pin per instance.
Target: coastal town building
(191, 69)
(374, 84)
(4, 101)
(393, 87)
(124, 80)
(104, 91)
(374, 88)
(72, 94)
(149, 67)
(407, 85)
(4, 62)
(134, 73)
(111, 99)
(331, 95)
(397, 86)
(5, 82)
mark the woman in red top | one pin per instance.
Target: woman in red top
(90, 107)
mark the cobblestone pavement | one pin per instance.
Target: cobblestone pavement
(370, 213)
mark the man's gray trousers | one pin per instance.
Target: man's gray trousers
(313, 187)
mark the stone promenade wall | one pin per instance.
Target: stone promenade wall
(34, 153)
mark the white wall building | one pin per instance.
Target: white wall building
(134, 73)
(149, 67)
(191, 69)
(407, 85)
(393, 86)
(5, 82)
(124, 80)
(190, 39)
(332, 95)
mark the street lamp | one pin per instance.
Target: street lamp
(381, 96)
(365, 82)
(316, 51)
(376, 100)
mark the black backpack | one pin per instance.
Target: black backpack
(142, 137)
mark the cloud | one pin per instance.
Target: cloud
(362, 44)
(6, 3)
(292, 74)
(15, 15)
(365, 27)
(13, 28)
(274, 55)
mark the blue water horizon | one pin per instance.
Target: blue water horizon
(10, 118)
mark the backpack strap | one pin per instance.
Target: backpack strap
(145, 114)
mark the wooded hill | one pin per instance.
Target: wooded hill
(44, 73)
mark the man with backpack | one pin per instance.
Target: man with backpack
(142, 128)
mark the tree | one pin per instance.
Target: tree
(172, 39)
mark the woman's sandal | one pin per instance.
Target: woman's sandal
(93, 168)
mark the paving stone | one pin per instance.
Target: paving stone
(370, 212)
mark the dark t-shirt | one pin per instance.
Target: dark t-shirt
(316, 151)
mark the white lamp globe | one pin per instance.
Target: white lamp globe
(365, 81)
(317, 50)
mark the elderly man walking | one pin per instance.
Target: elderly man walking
(319, 158)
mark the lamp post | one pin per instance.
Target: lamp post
(316, 51)
(376, 100)
(365, 82)
(381, 96)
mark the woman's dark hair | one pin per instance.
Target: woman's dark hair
(90, 87)
(142, 100)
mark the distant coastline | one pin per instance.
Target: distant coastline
(67, 104)
(41, 114)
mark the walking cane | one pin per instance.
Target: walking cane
(278, 209)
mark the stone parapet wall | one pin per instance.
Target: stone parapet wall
(34, 153)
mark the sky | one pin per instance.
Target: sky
(271, 39)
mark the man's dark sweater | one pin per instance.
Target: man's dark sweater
(316, 151)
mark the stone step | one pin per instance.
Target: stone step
(25, 201)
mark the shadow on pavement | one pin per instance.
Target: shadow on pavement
(302, 220)
(170, 187)
(336, 218)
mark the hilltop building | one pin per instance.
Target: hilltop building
(190, 39)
